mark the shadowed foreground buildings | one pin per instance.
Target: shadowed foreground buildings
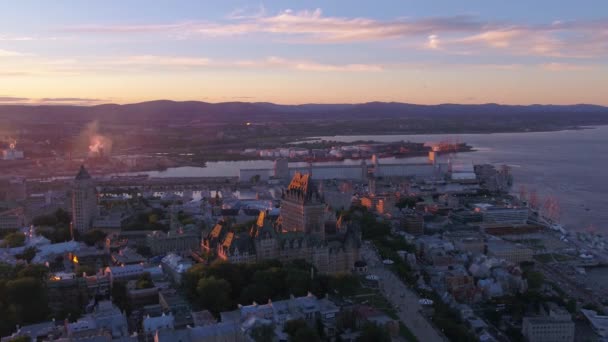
(300, 233)
(237, 325)
(556, 326)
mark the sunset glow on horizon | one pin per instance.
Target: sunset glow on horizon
(72, 52)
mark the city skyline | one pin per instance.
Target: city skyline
(303, 52)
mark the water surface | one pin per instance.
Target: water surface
(570, 166)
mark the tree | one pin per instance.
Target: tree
(535, 279)
(27, 297)
(213, 294)
(144, 250)
(407, 202)
(55, 227)
(594, 307)
(345, 284)
(320, 285)
(63, 216)
(23, 297)
(59, 217)
(28, 254)
(347, 319)
(272, 278)
(59, 233)
(93, 237)
(237, 275)
(299, 331)
(298, 282)
(191, 278)
(36, 271)
(119, 296)
(370, 228)
(255, 293)
(262, 333)
(492, 315)
(514, 334)
(294, 325)
(255, 179)
(20, 339)
(16, 239)
(144, 281)
(307, 334)
(373, 333)
(45, 220)
(81, 269)
(571, 305)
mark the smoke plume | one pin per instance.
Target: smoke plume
(97, 143)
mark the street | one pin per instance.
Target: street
(404, 299)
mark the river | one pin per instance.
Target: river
(570, 166)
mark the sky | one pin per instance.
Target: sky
(291, 52)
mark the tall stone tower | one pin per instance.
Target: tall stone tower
(302, 207)
(371, 184)
(84, 201)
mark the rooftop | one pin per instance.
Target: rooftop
(83, 174)
(302, 188)
(598, 322)
(126, 269)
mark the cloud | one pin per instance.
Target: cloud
(511, 66)
(50, 100)
(248, 12)
(68, 99)
(306, 65)
(168, 63)
(9, 53)
(311, 24)
(495, 38)
(13, 99)
(433, 42)
(13, 73)
(519, 41)
(4, 38)
(273, 62)
(575, 39)
(462, 34)
(237, 98)
(153, 60)
(554, 66)
(42, 67)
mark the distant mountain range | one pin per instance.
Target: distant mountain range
(165, 110)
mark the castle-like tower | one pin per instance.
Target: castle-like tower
(299, 234)
(302, 208)
(84, 201)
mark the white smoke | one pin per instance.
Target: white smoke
(97, 143)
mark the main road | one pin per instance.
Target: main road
(405, 300)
